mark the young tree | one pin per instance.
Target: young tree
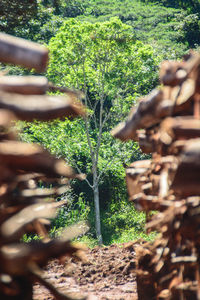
(106, 62)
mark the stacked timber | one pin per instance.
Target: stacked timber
(24, 207)
(166, 123)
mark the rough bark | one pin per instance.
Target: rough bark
(97, 210)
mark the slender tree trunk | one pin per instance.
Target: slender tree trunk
(97, 209)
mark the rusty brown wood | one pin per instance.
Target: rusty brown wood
(22, 52)
(168, 268)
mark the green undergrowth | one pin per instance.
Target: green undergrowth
(121, 222)
(124, 237)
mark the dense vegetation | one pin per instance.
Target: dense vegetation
(111, 51)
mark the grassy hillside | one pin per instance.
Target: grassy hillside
(161, 26)
(170, 26)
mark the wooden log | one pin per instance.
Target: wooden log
(170, 73)
(17, 258)
(162, 220)
(186, 92)
(169, 267)
(146, 286)
(42, 178)
(23, 52)
(133, 174)
(42, 193)
(174, 73)
(32, 158)
(26, 85)
(41, 107)
(164, 294)
(184, 259)
(139, 118)
(13, 228)
(152, 109)
(138, 168)
(188, 170)
(22, 209)
(185, 128)
(179, 128)
(6, 117)
(148, 142)
(16, 204)
(149, 202)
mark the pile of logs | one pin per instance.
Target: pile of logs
(24, 207)
(166, 123)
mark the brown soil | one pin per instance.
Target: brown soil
(109, 273)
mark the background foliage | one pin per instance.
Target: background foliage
(120, 56)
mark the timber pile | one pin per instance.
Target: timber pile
(24, 207)
(167, 124)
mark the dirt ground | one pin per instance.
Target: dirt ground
(108, 273)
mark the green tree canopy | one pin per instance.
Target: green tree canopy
(112, 68)
(102, 57)
(105, 61)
